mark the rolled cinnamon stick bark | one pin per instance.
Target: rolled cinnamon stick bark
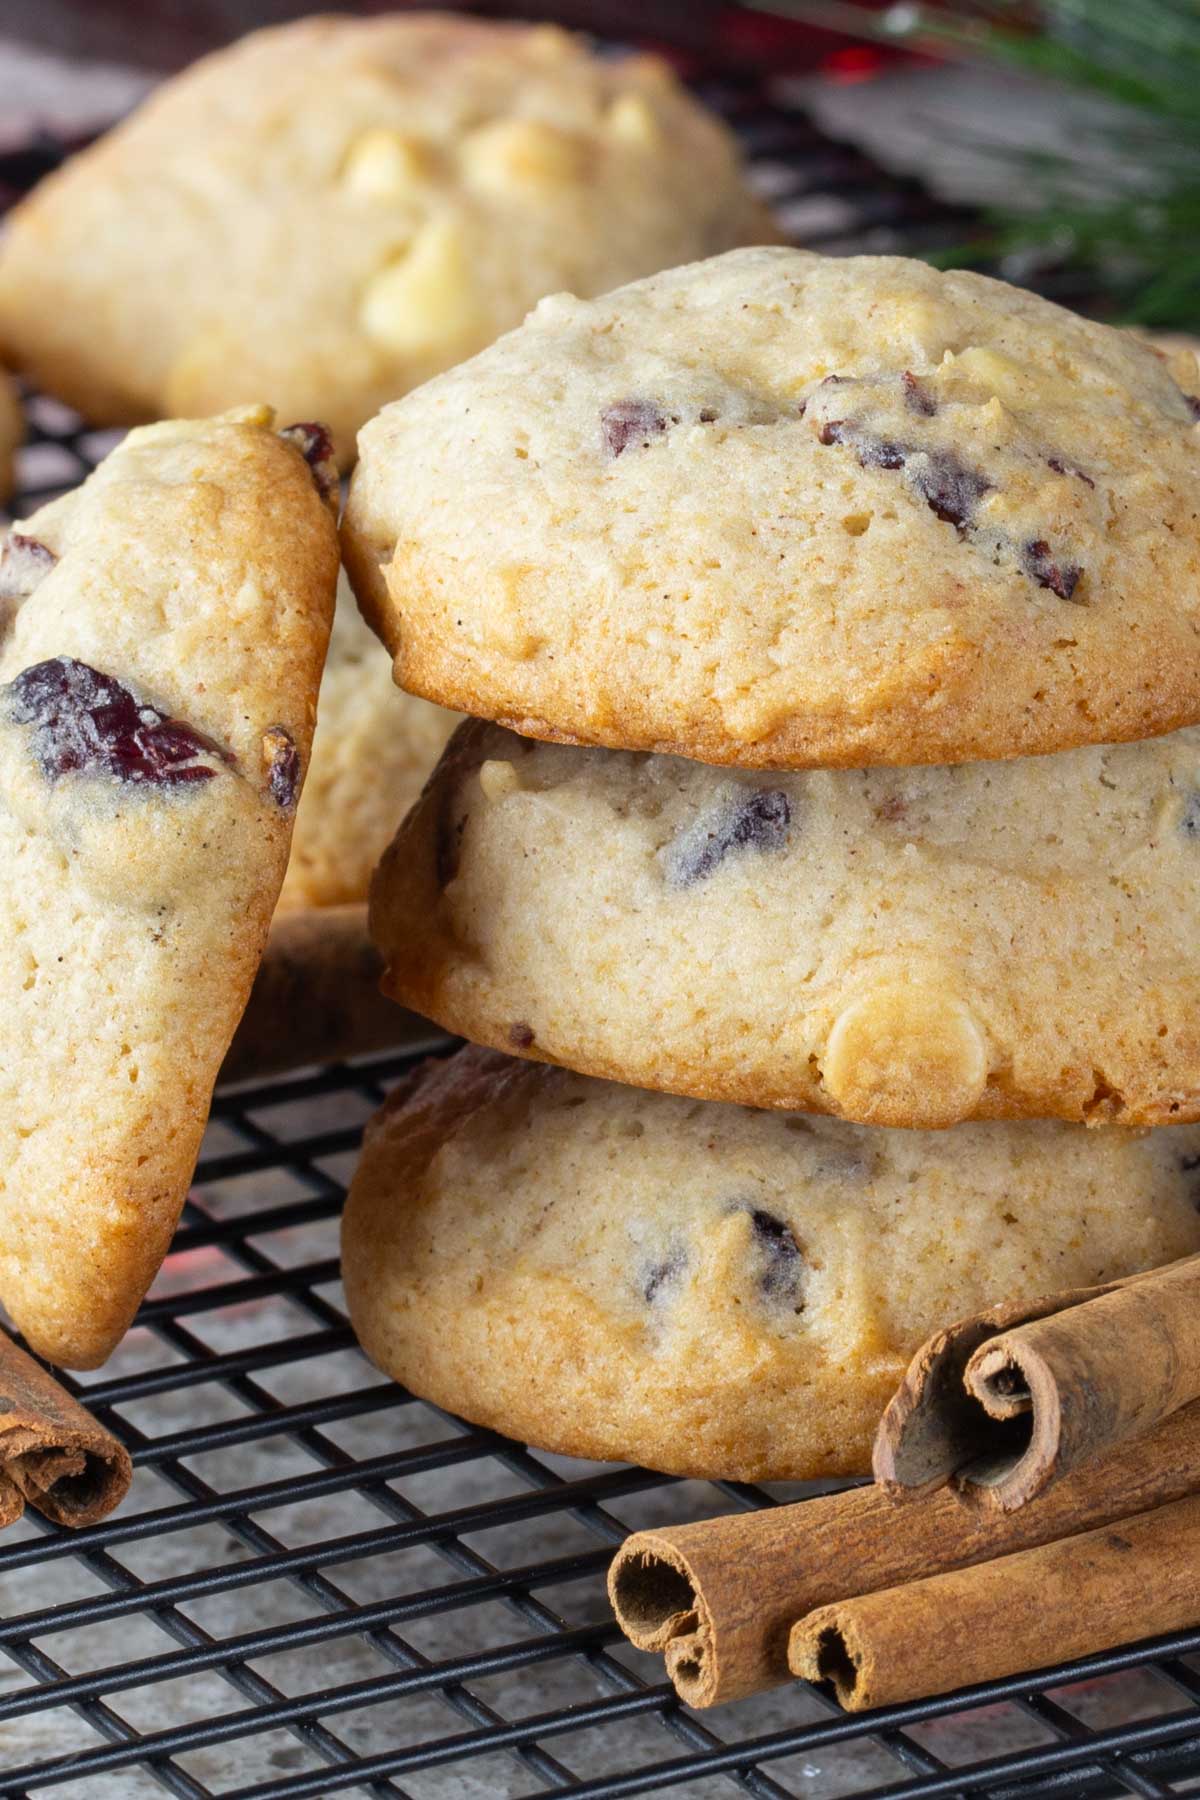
(1065, 1599)
(1002, 1405)
(53, 1454)
(719, 1598)
(316, 997)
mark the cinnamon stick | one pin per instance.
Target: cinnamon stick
(316, 997)
(719, 1598)
(53, 1454)
(1065, 1599)
(1002, 1405)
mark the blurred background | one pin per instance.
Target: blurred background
(1059, 144)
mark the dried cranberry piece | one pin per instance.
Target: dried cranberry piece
(24, 562)
(882, 453)
(951, 489)
(662, 1276)
(1065, 468)
(759, 821)
(283, 766)
(315, 445)
(917, 397)
(1062, 578)
(89, 723)
(784, 1260)
(520, 1034)
(948, 486)
(872, 452)
(780, 1257)
(628, 422)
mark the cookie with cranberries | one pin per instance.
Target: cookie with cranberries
(162, 634)
(778, 510)
(712, 1290)
(900, 946)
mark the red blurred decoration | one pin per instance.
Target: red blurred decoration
(859, 63)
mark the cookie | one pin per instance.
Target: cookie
(901, 946)
(12, 433)
(373, 748)
(329, 212)
(163, 634)
(780, 510)
(713, 1291)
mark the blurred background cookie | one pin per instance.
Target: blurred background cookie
(329, 212)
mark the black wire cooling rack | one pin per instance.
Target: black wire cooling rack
(320, 1585)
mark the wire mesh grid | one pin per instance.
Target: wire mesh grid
(321, 1585)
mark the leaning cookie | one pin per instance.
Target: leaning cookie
(161, 644)
(713, 1291)
(332, 211)
(900, 946)
(372, 750)
(781, 510)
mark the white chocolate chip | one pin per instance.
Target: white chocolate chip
(632, 120)
(425, 300)
(383, 164)
(251, 415)
(559, 310)
(498, 779)
(906, 1054)
(511, 155)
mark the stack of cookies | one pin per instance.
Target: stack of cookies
(833, 634)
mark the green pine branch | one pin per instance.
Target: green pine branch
(1131, 224)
